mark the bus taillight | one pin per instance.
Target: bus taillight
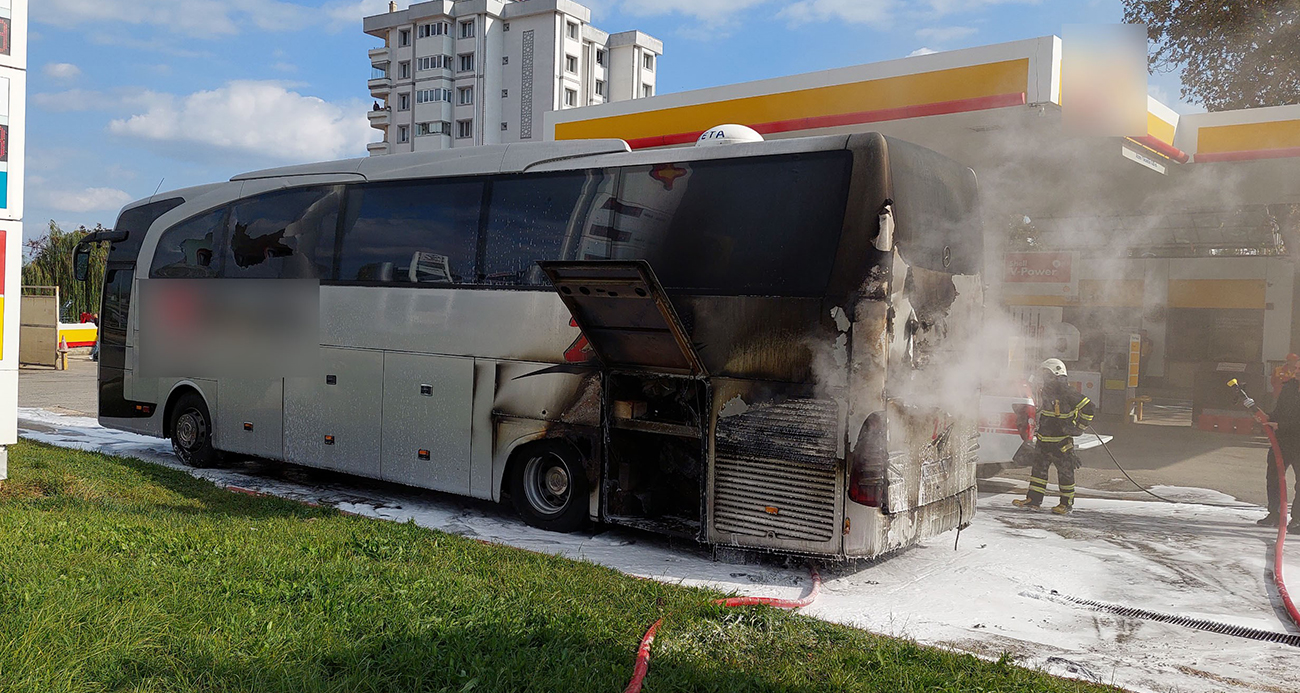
(867, 463)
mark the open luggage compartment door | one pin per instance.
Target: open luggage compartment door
(627, 318)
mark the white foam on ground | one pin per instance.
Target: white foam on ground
(984, 597)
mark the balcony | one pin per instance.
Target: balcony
(380, 55)
(380, 119)
(377, 148)
(380, 86)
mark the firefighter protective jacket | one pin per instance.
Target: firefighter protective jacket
(1062, 414)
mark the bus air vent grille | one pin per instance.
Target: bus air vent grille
(774, 472)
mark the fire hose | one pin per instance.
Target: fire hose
(642, 666)
(1262, 418)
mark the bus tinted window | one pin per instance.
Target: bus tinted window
(186, 249)
(411, 233)
(285, 234)
(136, 222)
(727, 226)
(529, 219)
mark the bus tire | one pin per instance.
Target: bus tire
(548, 487)
(191, 428)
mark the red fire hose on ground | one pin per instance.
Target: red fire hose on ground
(643, 653)
(1278, 580)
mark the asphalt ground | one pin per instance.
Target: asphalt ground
(1163, 450)
(67, 392)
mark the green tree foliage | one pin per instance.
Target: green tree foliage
(1232, 54)
(48, 262)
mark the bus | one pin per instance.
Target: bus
(755, 345)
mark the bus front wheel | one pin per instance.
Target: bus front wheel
(192, 432)
(549, 488)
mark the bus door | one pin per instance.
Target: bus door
(656, 395)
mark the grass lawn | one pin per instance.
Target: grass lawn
(119, 575)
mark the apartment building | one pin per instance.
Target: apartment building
(458, 73)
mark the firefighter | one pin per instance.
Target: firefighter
(1285, 421)
(1062, 414)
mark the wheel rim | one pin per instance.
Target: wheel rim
(190, 430)
(548, 484)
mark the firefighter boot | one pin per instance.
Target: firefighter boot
(1063, 509)
(1269, 520)
(1026, 503)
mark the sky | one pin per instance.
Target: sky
(125, 95)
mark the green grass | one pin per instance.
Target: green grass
(119, 575)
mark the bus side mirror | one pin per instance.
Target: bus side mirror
(81, 262)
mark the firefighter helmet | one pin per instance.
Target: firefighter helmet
(1055, 367)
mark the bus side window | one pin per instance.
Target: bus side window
(533, 218)
(287, 234)
(423, 232)
(186, 249)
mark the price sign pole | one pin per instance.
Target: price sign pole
(13, 121)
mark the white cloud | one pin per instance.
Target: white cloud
(192, 17)
(89, 100)
(261, 118)
(947, 7)
(77, 200)
(921, 51)
(70, 100)
(878, 12)
(884, 12)
(944, 34)
(62, 72)
(712, 12)
(347, 14)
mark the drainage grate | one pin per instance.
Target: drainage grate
(1197, 623)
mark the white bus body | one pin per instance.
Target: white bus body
(703, 342)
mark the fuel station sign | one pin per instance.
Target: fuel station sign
(13, 108)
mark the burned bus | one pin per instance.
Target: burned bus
(749, 345)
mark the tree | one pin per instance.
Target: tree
(1233, 54)
(49, 263)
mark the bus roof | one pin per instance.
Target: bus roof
(491, 158)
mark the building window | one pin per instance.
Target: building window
(403, 133)
(600, 57)
(433, 62)
(432, 95)
(465, 95)
(404, 70)
(649, 61)
(435, 29)
(505, 126)
(505, 26)
(505, 60)
(466, 62)
(571, 64)
(647, 90)
(570, 98)
(378, 72)
(464, 129)
(467, 29)
(600, 87)
(434, 128)
(573, 30)
(505, 93)
(403, 102)
(404, 37)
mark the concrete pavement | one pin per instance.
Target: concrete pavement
(70, 391)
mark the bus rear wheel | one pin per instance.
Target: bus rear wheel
(548, 488)
(191, 428)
